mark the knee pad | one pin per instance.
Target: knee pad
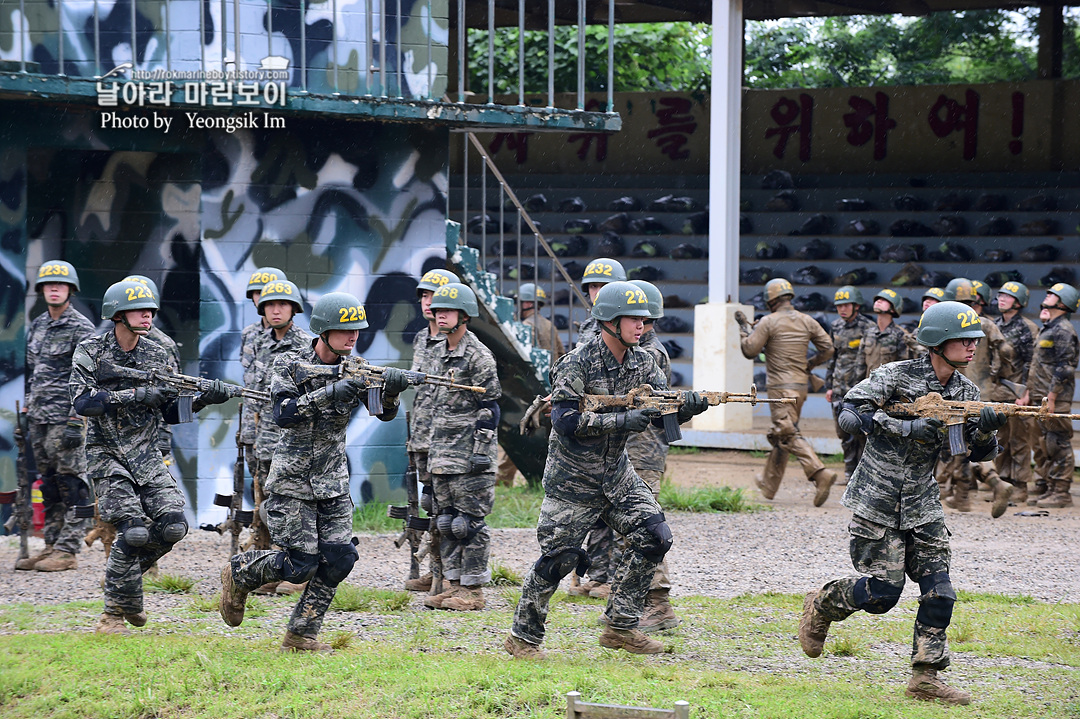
(465, 526)
(937, 600)
(425, 498)
(874, 596)
(445, 521)
(553, 566)
(338, 561)
(660, 532)
(71, 489)
(295, 566)
(51, 492)
(133, 532)
(171, 527)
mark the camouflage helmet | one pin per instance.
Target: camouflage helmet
(281, 290)
(848, 295)
(654, 296)
(434, 279)
(261, 276)
(1068, 295)
(620, 299)
(602, 270)
(982, 291)
(337, 311)
(1016, 290)
(123, 296)
(529, 292)
(949, 320)
(456, 296)
(960, 289)
(894, 300)
(144, 280)
(776, 288)
(57, 271)
(935, 293)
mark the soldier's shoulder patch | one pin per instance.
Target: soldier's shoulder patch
(853, 344)
(1046, 343)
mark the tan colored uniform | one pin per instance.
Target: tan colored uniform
(785, 336)
(882, 346)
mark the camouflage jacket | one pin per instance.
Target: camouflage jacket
(880, 347)
(991, 355)
(894, 483)
(422, 415)
(648, 450)
(124, 440)
(50, 345)
(590, 463)
(542, 335)
(1020, 333)
(173, 351)
(249, 339)
(1054, 361)
(455, 438)
(310, 461)
(846, 368)
(267, 431)
(785, 336)
(587, 330)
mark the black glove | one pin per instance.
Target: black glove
(923, 429)
(694, 403)
(152, 397)
(345, 390)
(638, 420)
(72, 436)
(990, 419)
(215, 393)
(394, 381)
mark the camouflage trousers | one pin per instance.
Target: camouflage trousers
(120, 499)
(62, 486)
(605, 548)
(887, 555)
(562, 526)
(466, 559)
(1053, 452)
(300, 525)
(851, 444)
(1013, 461)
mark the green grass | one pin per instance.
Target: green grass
(705, 499)
(351, 598)
(729, 658)
(679, 449)
(371, 518)
(516, 507)
(168, 583)
(503, 576)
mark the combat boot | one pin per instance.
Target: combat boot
(465, 599)
(136, 620)
(1057, 499)
(813, 628)
(57, 562)
(521, 649)
(600, 591)
(290, 588)
(268, 588)
(927, 686)
(1042, 490)
(435, 601)
(823, 479)
(233, 598)
(960, 500)
(300, 643)
(581, 589)
(658, 615)
(111, 624)
(1003, 492)
(420, 584)
(632, 640)
(31, 561)
(1020, 491)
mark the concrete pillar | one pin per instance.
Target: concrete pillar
(718, 362)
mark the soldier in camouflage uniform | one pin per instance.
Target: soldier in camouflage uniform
(308, 506)
(56, 431)
(931, 297)
(898, 527)
(135, 490)
(249, 338)
(785, 336)
(461, 457)
(1013, 462)
(1052, 379)
(424, 409)
(598, 273)
(886, 341)
(846, 368)
(530, 298)
(588, 473)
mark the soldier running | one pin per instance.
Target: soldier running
(846, 367)
(308, 506)
(898, 527)
(249, 336)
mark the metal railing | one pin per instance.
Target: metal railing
(513, 268)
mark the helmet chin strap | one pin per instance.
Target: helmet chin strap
(954, 365)
(326, 341)
(618, 335)
(141, 331)
(280, 325)
(455, 328)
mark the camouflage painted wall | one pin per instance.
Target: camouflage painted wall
(338, 205)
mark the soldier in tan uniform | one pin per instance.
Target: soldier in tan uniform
(785, 336)
(1013, 461)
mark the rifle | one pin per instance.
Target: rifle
(955, 412)
(237, 517)
(668, 403)
(372, 376)
(415, 526)
(182, 383)
(26, 470)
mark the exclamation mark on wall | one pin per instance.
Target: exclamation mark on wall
(1015, 146)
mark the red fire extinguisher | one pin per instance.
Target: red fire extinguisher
(38, 505)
